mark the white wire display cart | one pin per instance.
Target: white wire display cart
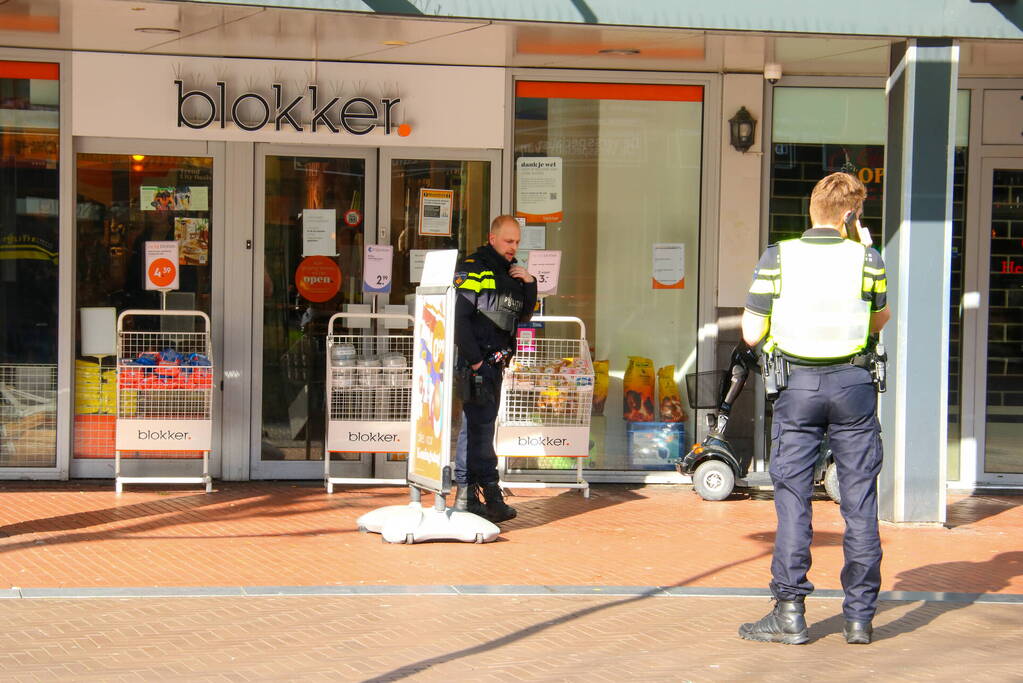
(164, 393)
(369, 392)
(546, 402)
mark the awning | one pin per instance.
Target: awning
(904, 18)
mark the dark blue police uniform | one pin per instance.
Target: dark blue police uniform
(834, 397)
(489, 307)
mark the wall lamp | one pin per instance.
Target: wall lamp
(742, 129)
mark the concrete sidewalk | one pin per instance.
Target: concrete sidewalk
(272, 580)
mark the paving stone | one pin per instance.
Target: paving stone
(282, 585)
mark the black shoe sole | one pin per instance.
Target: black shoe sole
(857, 640)
(784, 638)
(497, 519)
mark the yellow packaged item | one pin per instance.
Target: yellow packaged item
(669, 399)
(638, 388)
(601, 380)
(88, 388)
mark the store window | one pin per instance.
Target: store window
(610, 175)
(124, 201)
(29, 229)
(817, 131)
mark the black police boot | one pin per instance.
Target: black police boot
(497, 510)
(786, 623)
(858, 632)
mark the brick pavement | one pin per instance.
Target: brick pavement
(80, 535)
(490, 639)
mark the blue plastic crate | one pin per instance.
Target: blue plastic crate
(655, 445)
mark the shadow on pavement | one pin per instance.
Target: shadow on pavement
(973, 509)
(997, 574)
(541, 510)
(820, 538)
(226, 503)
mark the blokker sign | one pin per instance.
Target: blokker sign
(163, 435)
(360, 436)
(252, 111)
(561, 441)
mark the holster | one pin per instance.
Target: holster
(875, 360)
(473, 386)
(775, 369)
(879, 368)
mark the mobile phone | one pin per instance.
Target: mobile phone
(862, 233)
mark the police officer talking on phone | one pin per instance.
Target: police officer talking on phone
(814, 303)
(495, 294)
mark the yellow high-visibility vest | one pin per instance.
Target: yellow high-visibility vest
(820, 312)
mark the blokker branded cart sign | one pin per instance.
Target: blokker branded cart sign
(368, 436)
(164, 435)
(532, 441)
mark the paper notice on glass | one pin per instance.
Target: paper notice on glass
(669, 266)
(318, 232)
(200, 198)
(538, 189)
(416, 261)
(435, 212)
(376, 268)
(545, 266)
(533, 237)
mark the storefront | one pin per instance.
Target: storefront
(245, 159)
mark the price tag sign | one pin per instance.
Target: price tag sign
(545, 266)
(376, 268)
(162, 265)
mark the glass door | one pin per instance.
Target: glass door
(431, 199)
(128, 193)
(1000, 326)
(313, 215)
(463, 189)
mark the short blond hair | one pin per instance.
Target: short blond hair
(496, 224)
(833, 195)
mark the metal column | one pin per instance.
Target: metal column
(917, 251)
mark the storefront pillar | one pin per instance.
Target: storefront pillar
(917, 251)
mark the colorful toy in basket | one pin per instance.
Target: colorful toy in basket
(166, 369)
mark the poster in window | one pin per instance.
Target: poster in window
(171, 198)
(435, 212)
(193, 234)
(538, 189)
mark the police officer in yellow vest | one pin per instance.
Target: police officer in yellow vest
(813, 302)
(495, 294)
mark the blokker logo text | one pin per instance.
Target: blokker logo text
(162, 434)
(542, 441)
(363, 437)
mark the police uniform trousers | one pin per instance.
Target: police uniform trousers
(475, 460)
(839, 400)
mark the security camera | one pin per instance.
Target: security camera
(772, 72)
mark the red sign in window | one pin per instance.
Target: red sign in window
(318, 278)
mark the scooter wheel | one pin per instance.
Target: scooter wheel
(714, 480)
(831, 482)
